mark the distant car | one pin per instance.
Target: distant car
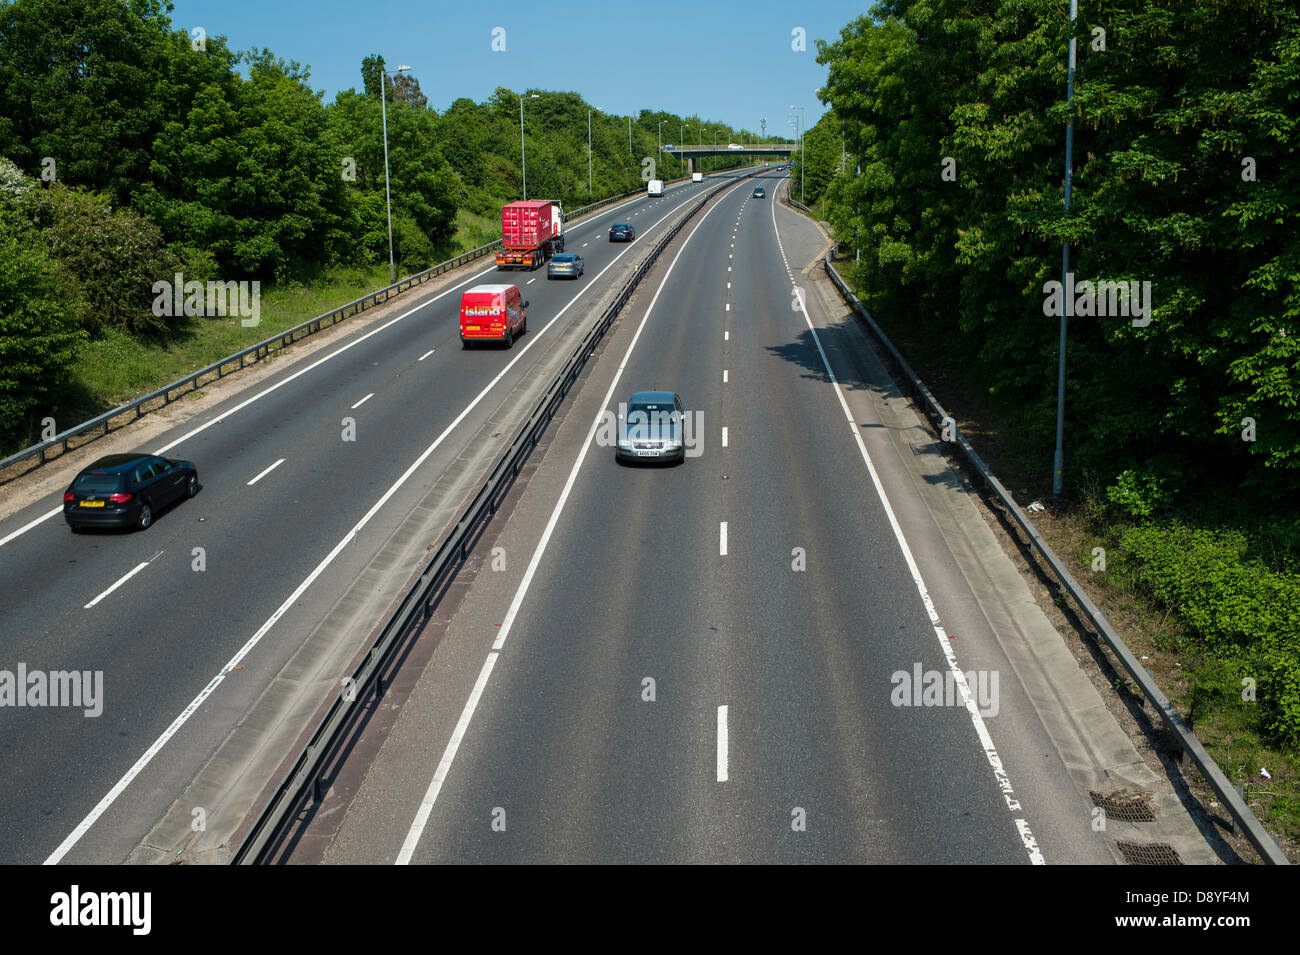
(652, 429)
(759, 193)
(734, 146)
(621, 232)
(127, 490)
(565, 265)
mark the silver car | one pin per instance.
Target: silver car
(652, 429)
(565, 265)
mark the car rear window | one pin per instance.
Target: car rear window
(647, 409)
(562, 258)
(97, 483)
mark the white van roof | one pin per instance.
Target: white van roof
(490, 289)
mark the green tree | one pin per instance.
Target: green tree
(112, 255)
(39, 336)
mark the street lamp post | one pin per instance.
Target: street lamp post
(523, 156)
(388, 195)
(1058, 459)
(588, 153)
(681, 141)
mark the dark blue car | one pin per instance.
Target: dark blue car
(127, 490)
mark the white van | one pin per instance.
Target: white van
(697, 177)
(655, 188)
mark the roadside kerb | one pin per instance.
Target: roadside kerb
(1190, 747)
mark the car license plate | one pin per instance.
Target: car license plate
(647, 454)
(92, 503)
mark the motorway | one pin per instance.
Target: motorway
(305, 534)
(696, 663)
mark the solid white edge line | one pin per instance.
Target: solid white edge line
(362, 401)
(722, 743)
(163, 450)
(28, 526)
(120, 786)
(121, 580)
(412, 839)
(981, 730)
(421, 819)
(265, 473)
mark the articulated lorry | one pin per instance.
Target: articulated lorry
(531, 232)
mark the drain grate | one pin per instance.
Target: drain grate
(1125, 808)
(1149, 853)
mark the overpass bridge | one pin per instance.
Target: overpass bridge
(691, 153)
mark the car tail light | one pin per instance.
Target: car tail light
(68, 496)
(119, 498)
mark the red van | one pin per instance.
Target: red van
(492, 313)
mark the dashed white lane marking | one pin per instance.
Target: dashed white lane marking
(123, 579)
(959, 677)
(728, 306)
(531, 280)
(724, 376)
(156, 747)
(724, 437)
(722, 743)
(268, 470)
(426, 354)
(728, 285)
(726, 336)
(362, 401)
(722, 539)
(421, 820)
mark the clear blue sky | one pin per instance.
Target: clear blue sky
(728, 62)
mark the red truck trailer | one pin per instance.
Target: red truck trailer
(531, 232)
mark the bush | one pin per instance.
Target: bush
(38, 333)
(1240, 610)
(114, 255)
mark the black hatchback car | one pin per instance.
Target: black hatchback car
(621, 232)
(127, 490)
